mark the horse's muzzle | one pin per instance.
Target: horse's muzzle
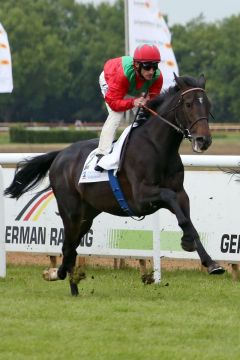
(201, 143)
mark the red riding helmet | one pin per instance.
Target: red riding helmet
(146, 53)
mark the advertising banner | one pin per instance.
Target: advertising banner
(214, 212)
(32, 224)
(145, 24)
(6, 81)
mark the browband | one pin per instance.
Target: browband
(192, 89)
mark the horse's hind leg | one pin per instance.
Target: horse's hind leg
(73, 232)
(77, 220)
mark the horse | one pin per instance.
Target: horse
(151, 174)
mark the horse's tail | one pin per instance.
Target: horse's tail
(233, 171)
(29, 173)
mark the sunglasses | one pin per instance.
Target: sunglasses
(150, 65)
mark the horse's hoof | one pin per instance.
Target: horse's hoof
(148, 278)
(189, 246)
(74, 289)
(76, 275)
(215, 269)
(50, 274)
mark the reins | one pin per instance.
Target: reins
(163, 119)
(185, 132)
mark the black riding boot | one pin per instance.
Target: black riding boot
(97, 167)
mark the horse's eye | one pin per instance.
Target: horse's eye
(188, 104)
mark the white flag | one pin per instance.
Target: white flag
(147, 25)
(6, 80)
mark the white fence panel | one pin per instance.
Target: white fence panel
(214, 201)
(32, 224)
(2, 230)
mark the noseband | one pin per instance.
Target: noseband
(185, 132)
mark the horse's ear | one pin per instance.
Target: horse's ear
(202, 81)
(179, 81)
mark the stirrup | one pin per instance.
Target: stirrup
(98, 168)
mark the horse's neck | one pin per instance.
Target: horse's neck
(162, 135)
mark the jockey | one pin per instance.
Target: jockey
(123, 82)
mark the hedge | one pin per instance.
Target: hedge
(19, 134)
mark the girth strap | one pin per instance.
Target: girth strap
(117, 192)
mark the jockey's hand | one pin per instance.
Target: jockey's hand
(141, 101)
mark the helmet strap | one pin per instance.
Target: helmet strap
(138, 70)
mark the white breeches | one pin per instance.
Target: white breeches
(111, 124)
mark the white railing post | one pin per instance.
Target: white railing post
(156, 248)
(2, 227)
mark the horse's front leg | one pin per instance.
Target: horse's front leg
(155, 197)
(178, 203)
(171, 201)
(190, 233)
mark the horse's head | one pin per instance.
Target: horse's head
(192, 111)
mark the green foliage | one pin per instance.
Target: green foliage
(59, 49)
(214, 50)
(19, 134)
(189, 315)
(4, 137)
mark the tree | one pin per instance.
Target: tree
(59, 49)
(39, 57)
(212, 49)
(99, 36)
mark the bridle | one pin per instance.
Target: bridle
(179, 128)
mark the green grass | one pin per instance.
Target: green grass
(229, 136)
(4, 138)
(190, 315)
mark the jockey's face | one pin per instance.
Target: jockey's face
(147, 70)
(147, 74)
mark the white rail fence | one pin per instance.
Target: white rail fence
(31, 224)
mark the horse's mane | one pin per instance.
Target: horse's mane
(172, 90)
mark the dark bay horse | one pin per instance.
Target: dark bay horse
(151, 174)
